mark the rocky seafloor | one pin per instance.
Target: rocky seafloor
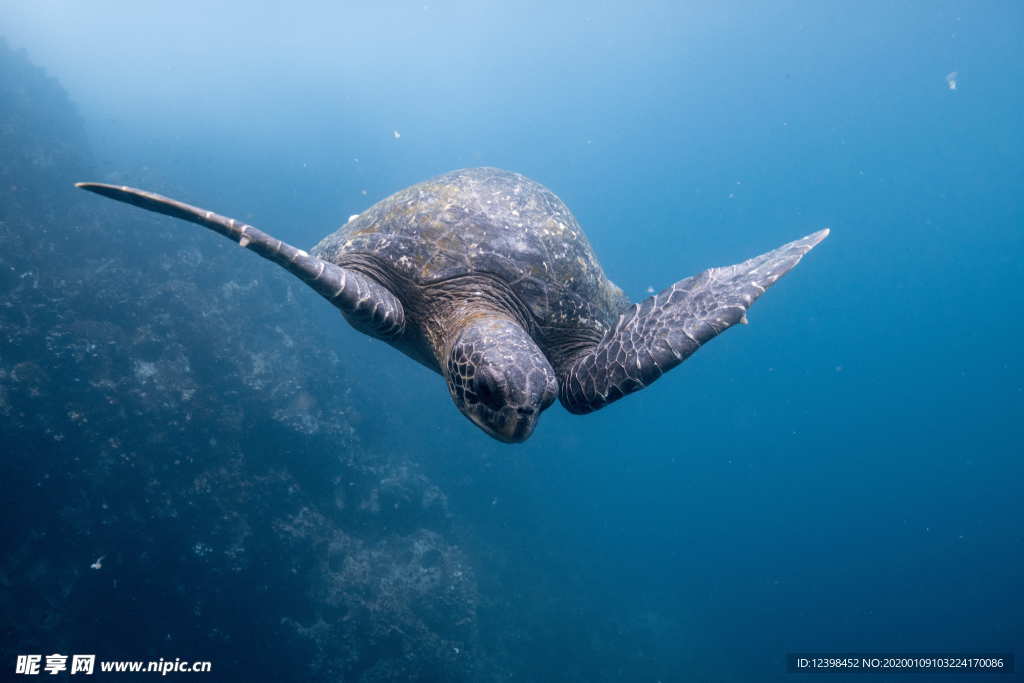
(158, 418)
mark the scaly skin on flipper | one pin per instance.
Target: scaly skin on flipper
(368, 305)
(657, 334)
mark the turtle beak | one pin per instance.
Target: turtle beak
(519, 429)
(516, 428)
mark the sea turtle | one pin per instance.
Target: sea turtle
(486, 277)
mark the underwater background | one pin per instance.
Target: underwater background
(274, 492)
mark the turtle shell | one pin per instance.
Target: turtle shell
(490, 221)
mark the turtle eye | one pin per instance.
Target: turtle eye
(488, 390)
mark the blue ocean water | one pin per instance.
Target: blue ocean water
(842, 475)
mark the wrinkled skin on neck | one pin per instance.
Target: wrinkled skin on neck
(499, 378)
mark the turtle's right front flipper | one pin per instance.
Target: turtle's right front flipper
(657, 334)
(368, 305)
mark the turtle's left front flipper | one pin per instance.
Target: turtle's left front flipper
(659, 333)
(367, 304)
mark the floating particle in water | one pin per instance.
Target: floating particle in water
(951, 80)
(396, 134)
(363, 192)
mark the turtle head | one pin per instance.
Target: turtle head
(499, 378)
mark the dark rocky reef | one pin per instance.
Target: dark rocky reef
(156, 410)
(42, 137)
